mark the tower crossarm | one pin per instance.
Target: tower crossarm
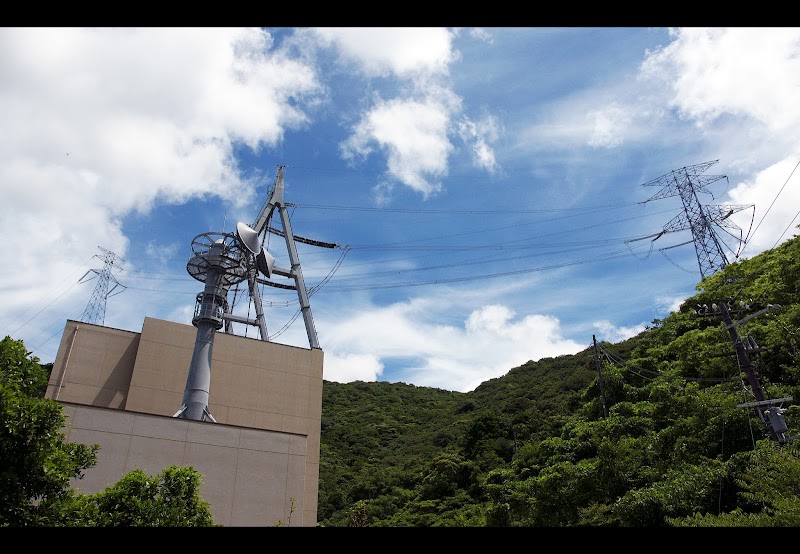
(298, 238)
(716, 215)
(719, 215)
(673, 182)
(678, 223)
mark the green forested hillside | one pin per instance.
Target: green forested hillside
(535, 448)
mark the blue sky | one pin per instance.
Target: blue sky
(484, 184)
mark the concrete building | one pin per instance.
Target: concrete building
(259, 461)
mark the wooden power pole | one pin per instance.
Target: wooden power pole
(769, 411)
(600, 377)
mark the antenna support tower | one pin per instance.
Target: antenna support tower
(216, 261)
(95, 311)
(221, 260)
(686, 183)
(275, 202)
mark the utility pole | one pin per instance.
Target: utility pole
(686, 183)
(600, 377)
(95, 311)
(769, 411)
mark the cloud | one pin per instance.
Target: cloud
(481, 135)
(593, 118)
(412, 134)
(182, 314)
(103, 122)
(745, 80)
(742, 80)
(609, 332)
(746, 71)
(406, 335)
(413, 127)
(400, 51)
(670, 304)
(775, 191)
(608, 126)
(351, 367)
(382, 193)
(162, 252)
(481, 34)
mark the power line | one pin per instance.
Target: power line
(508, 246)
(772, 204)
(457, 212)
(43, 309)
(787, 228)
(608, 256)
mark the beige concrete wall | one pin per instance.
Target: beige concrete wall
(94, 365)
(241, 467)
(254, 384)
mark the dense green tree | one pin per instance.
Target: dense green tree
(37, 464)
(36, 461)
(488, 440)
(768, 480)
(678, 492)
(676, 447)
(169, 499)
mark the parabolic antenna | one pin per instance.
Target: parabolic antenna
(265, 262)
(249, 238)
(218, 254)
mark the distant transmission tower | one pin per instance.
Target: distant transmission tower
(95, 311)
(686, 183)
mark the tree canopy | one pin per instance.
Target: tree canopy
(37, 465)
(535, 448)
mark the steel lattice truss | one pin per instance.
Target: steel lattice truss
(686, 183)
(95, 311)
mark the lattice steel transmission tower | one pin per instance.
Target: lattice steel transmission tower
(95, 311)
(686, 183)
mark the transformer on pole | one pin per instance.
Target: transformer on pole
(770, 411)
